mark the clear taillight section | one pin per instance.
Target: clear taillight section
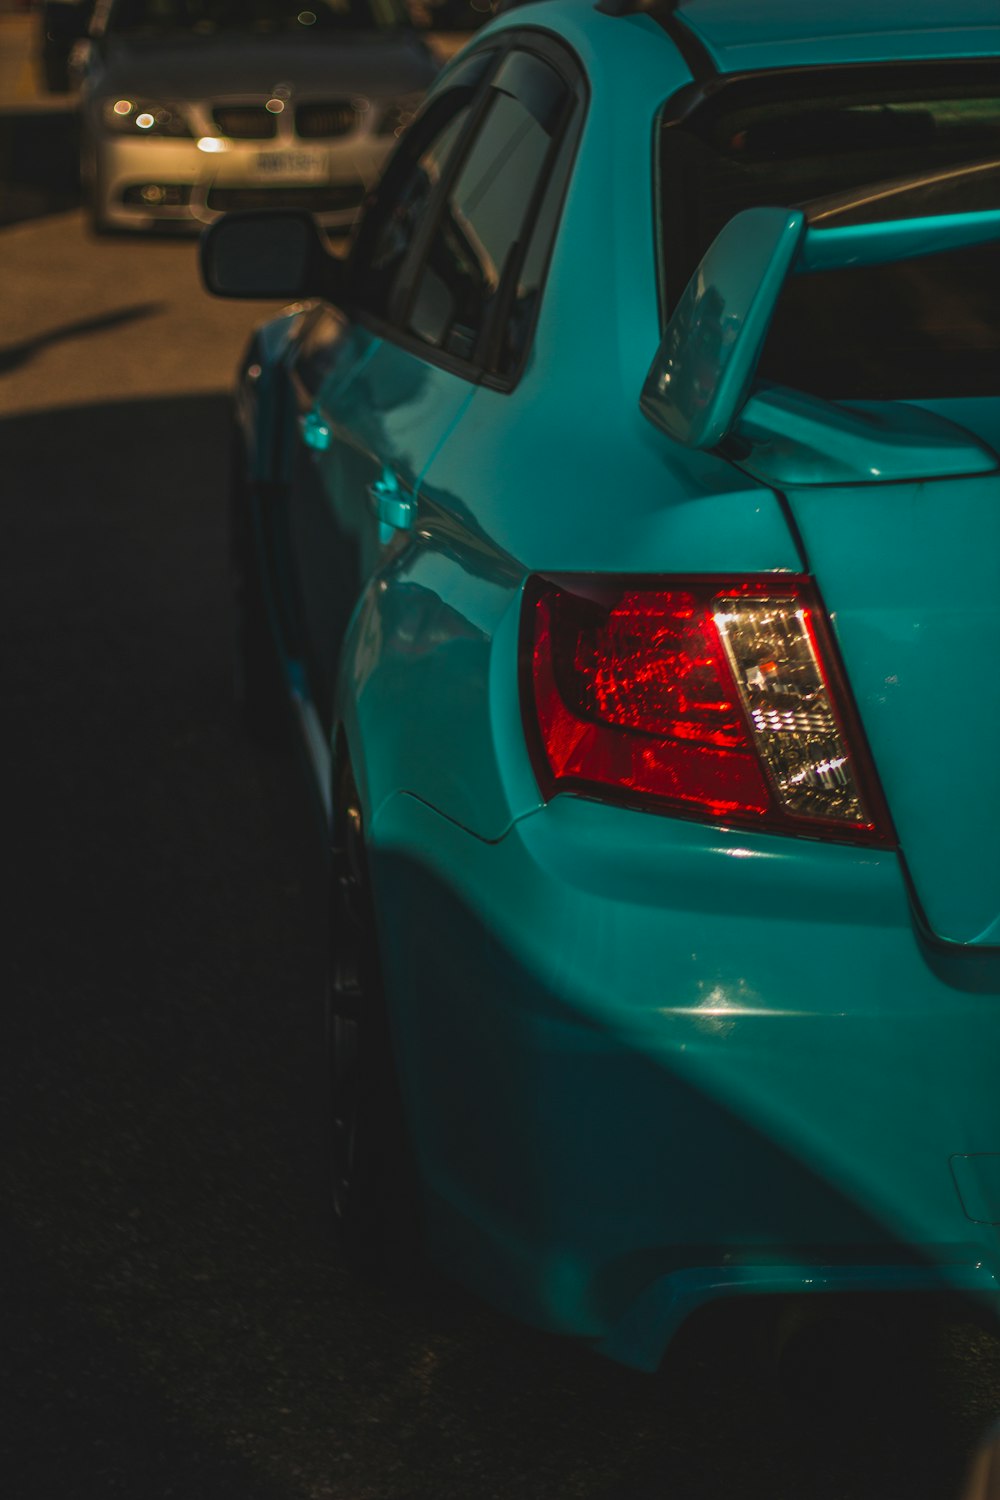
(717, 698)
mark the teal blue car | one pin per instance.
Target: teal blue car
(616, 529)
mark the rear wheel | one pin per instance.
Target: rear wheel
(375, 1199)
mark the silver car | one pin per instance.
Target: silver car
(190, 108)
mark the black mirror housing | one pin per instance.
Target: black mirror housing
(271, 253)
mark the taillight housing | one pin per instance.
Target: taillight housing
(707, 697)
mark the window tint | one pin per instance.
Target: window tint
(393, 217)
(475, 256)
(396, 216)
(520, 316)
(921, 328)
(791, 151)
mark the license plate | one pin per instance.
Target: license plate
(292, 166)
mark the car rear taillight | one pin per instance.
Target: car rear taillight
(717, 698)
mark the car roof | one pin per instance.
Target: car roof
(736, 36)
(751, 34)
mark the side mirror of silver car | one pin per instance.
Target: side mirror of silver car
(278, 253)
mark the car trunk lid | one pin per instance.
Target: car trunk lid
(910, 575)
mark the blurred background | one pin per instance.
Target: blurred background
(175, 1319)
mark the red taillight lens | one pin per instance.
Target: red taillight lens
(710, 697)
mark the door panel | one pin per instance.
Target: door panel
(385, 411)
(319, 553)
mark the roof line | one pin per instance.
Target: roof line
(664, 13)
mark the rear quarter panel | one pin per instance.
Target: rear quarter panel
(561, 474)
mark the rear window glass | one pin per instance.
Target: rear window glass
(920, 328)
(923, 328)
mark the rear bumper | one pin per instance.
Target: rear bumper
(648, 1063)
(643, 1333)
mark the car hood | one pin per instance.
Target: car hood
(788, 33)
(218, 67)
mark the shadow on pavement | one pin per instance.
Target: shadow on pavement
(16, 355)
(177, 1322)
(83, 1419)
(39, 163)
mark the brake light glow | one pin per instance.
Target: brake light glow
(714, 698)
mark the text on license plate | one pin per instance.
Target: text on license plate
(300, 166)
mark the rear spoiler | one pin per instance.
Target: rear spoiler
(701, 378)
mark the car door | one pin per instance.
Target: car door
(365, 405)
(465, 317)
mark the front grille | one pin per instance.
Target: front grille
(246, 122)
(329, 198)
(324, 121)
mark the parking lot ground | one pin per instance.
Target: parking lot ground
(176, 1320)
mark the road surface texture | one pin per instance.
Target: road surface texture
(176, 1321)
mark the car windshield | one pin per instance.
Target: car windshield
(923, 328)
(210, 17)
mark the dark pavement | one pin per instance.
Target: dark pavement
(175, 1319)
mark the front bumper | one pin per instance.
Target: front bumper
(139, 183)
(648, 1063)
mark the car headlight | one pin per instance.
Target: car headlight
(396, 116)
(140, 117)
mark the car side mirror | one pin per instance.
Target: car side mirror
(278, 253)
(702, 371)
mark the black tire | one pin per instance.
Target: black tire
(373, 1180)
(853, 1360)
(258, 683)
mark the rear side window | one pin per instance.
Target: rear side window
(477, 262)
(402, 216)
(526, 286)
(922, 328)
(395, 216)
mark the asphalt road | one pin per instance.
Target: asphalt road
(175, 1319)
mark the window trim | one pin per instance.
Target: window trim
(549, 49)
(491, 57)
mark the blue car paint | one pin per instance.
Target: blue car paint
(878, 244)
(647, 1062)
(788, 34)
(914, 610)
(792, 440)
(736, 1054)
